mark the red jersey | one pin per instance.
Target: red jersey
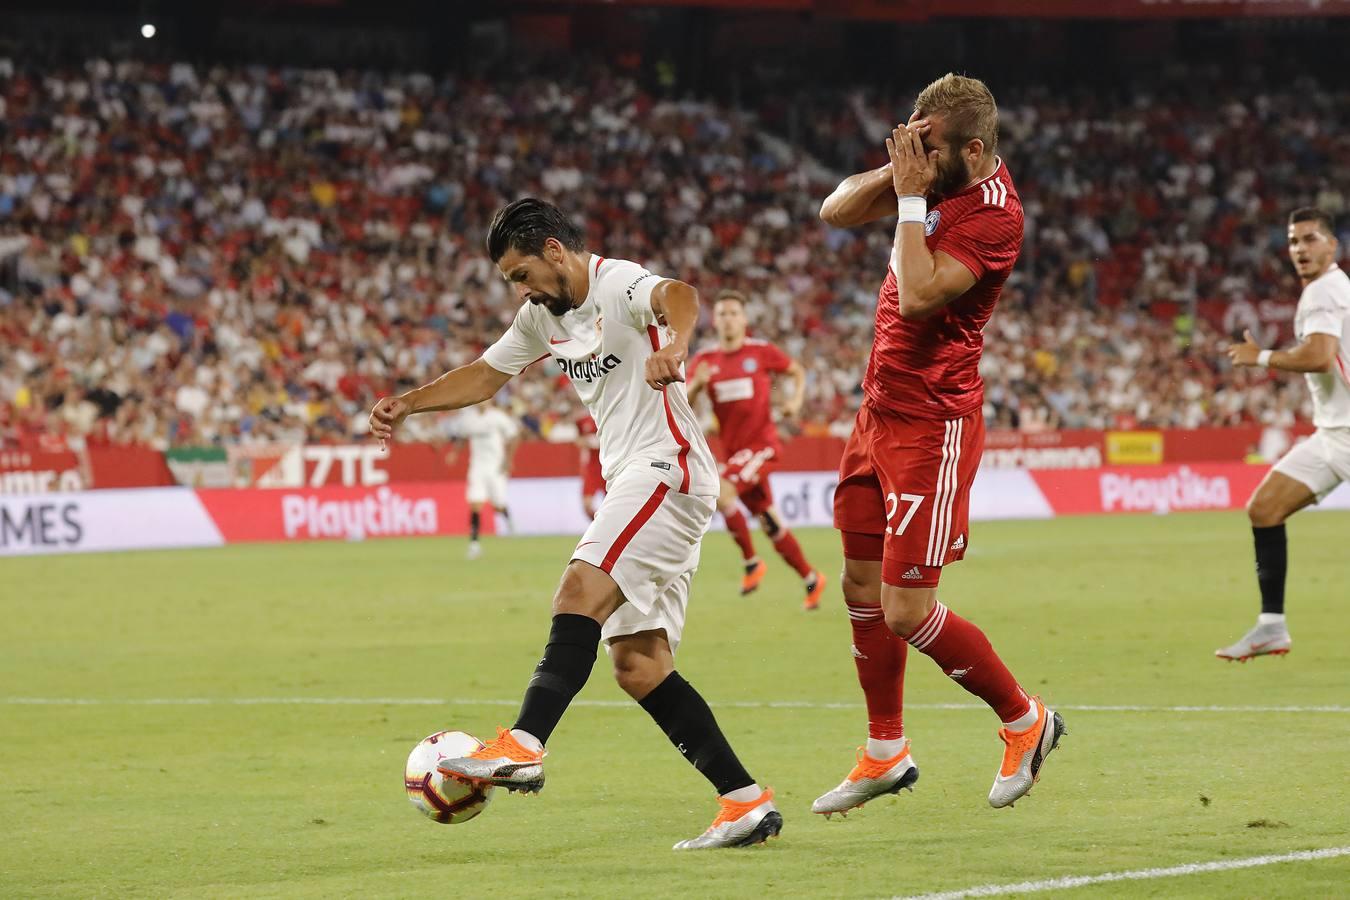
(931, 368)
(741, 388)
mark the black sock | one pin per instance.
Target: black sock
(567, 663)
(473, 525)
(688, 722)
(1272, 559)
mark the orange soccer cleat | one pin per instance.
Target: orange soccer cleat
(1024, 754)
(869, 779)
(739, 824)
(503, 762)
(754, 574)
(815, 586)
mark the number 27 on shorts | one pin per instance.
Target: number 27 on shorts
(912, 501)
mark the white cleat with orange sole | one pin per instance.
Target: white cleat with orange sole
(1024, 754)
(1271, 639)
(870, 778)
(739, 824)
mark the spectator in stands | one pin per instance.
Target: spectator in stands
(239, 254)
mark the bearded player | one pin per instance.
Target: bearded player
(738, 375)
(905, 476)
(1313, 468)
(621, 335)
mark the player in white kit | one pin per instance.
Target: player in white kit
(621, 335)
(492, 436)
(1313, 468)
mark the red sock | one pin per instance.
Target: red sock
(880, 657)
(965, 654)
(740, 531)
(791, 551)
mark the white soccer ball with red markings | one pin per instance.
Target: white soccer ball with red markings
(442, 799)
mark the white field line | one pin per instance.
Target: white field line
(607, 704)
(1073, 881)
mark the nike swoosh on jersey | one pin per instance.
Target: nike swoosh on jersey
(554, 340)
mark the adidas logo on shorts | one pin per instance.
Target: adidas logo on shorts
(913, 574)
(959, 543)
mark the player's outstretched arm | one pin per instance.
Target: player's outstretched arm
(675, 304)
(1317, 353)
(456, 389)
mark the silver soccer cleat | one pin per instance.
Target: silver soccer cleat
(1024, 754)
(739, 825)
(1263, 640)
(525, 777)
(503, 763)
(870, 778)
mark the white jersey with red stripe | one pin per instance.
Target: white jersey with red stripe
(602, 346)
(1324, 308)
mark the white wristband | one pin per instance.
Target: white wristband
(1263, 358)
(913, 209)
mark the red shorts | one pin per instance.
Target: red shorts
(592, 481)
(748, 471)
(904, 492)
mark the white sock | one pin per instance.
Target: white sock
(1025, 721)
(527, 740)
(1270, 619)
(879, 749)
(743, 795)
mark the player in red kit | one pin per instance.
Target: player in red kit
(904, 481)
(738, 375)
(592, 477)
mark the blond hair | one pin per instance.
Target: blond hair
(730, 294)
(966, 104)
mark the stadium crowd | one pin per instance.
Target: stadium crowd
(216, 255)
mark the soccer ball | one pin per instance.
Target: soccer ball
(444, 800)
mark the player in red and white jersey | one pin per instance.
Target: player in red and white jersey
(903, 499)
(738, 375)
(592, 473)
(621, 335)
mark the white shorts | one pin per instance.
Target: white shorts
(646, 535)
(487, 485)
(1321, 462)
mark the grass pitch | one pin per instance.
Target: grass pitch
(233, 723)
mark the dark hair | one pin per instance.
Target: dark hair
(1313, 214)
(729, 294)
(526, 224)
